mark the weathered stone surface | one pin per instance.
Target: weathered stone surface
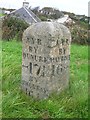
(45, 59)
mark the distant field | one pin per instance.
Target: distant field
(1, 15)
(72, 103)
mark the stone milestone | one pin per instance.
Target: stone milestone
(45, 59)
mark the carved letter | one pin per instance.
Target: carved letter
(35, 49)
(30, 49)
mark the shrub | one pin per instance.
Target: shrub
(13, 27)
(79, 34)
(43, 17)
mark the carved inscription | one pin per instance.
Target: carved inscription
(38, 66)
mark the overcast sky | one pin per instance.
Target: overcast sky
(75, 6)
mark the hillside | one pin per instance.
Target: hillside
(78, 24)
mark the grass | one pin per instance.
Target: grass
(1, 14)
(71, 103)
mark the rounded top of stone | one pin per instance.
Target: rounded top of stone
(47, 30)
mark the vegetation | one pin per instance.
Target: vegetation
(79, 32)
(1, 15)
(13, 27)
(49, 13)
(81, 18)
(71, 103)
(43, 17)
